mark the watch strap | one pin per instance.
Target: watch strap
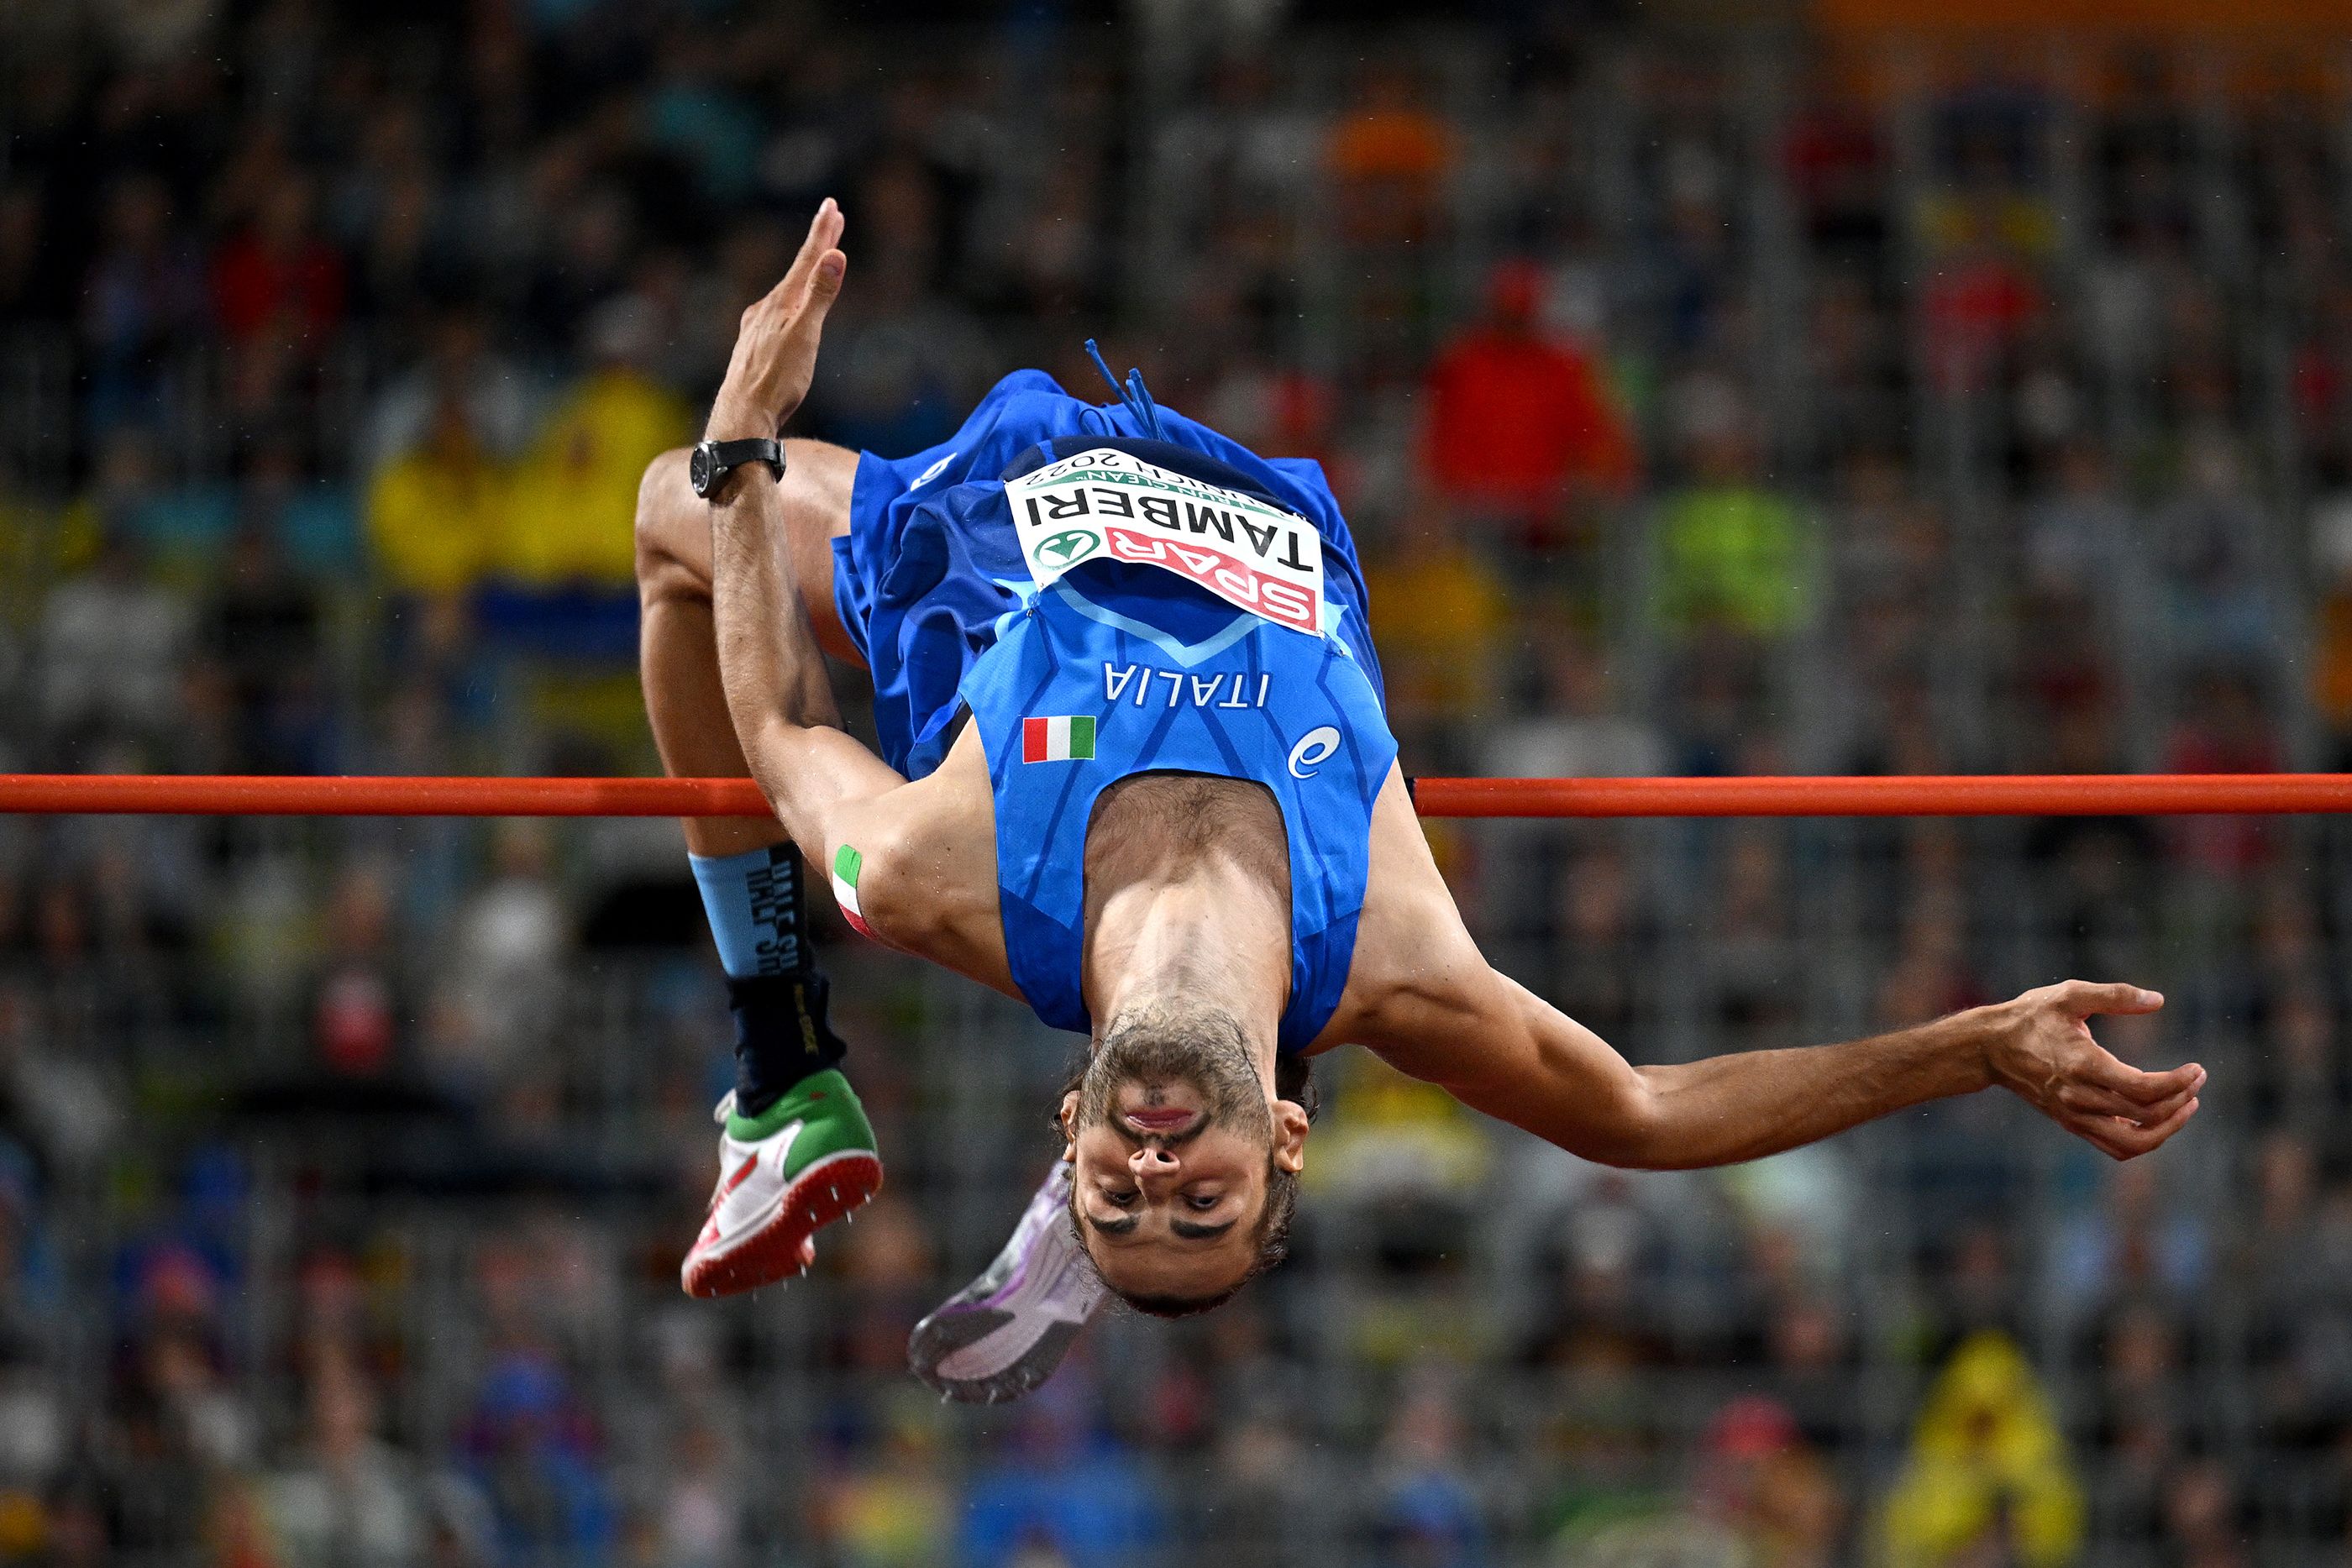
(730, 454)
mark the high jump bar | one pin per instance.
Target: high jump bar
(1967, 795)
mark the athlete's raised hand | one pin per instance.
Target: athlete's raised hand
(775, 347)
(2042, 1050)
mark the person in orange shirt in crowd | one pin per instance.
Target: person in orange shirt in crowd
(1390, 158)
(1519, 419)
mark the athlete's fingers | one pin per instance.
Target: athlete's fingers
(2140, 1140)
(2091, 1100)
(815, 281)
(816, 272)
(2100, 1069)
(806, 327)
(824, 234)
(2084, 997)
(2094, 1131)
(2124, 1140)
(809, 267)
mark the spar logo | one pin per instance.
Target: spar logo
(1231, 579)
(1069, 546)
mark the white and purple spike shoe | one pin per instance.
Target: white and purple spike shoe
(1003, 1335)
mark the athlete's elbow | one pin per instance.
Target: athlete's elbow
(766, 739)
(1627, 1127)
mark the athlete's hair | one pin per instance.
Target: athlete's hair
(1293, 1081)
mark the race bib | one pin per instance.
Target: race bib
(1109, 504)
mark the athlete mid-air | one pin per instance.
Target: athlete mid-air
(1136, 772)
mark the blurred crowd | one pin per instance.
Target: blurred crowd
(1703, 403)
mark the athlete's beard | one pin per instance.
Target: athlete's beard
(1204, 1050)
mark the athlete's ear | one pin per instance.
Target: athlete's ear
(1068, 1116)
(1290, 1136)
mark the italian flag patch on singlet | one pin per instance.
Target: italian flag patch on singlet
(1069, 738)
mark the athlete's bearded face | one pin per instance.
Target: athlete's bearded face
(1183, 1164)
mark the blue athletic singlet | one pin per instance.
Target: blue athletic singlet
(1115, 669)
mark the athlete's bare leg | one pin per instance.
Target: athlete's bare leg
(677, 651)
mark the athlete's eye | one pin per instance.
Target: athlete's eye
(1201, 1203)
(1120, 1199)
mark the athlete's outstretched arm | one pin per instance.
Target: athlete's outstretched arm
(1432, 1006)
(1507, 1053)
(778, 692)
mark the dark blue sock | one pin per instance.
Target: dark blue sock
(758, 917)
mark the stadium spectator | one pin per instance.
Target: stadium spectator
(533, 1451)
(1837, 164)
(111, 643)
(2212, 545)
(279, 278)
(1519, 420)
(1440, 613)
(699, 1518)
(144, 297)
(1988, 1478)
(1759, 1483)
(1734, 553)
(261, 630)
(458, 371)
(1060, 1491)
(2085, 547)
(1601, 931)
(2225, 728)
(348, 1497)
(902, 362)
(1391, 155)
(588, 459)
(1982, 298)
(895, 1505)
(435, 514)
(1425, 1508)
(498, 1002)
(357, 1017)
(2133, 1244)
(2332, 667)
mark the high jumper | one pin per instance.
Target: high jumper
(1135, 771)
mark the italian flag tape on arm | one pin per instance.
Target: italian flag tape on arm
(847, 864)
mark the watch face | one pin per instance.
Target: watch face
(698, 470)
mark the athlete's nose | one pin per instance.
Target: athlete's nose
(1153, 1164)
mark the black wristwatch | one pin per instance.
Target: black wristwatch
(713, 461)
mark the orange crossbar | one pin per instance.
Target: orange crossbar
(1974, 795)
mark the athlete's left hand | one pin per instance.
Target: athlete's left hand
(2040, 1049)
(775, 347)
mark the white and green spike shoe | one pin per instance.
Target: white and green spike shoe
(804, 1162)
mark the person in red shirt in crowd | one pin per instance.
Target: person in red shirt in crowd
(1518, 418)
(278, 275)
(2226, 727)
(1982, 300)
